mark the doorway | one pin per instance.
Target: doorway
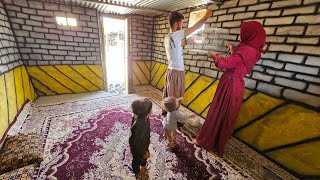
(115, 47)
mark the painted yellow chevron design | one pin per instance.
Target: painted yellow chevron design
(77, 78)
(190, 77)
(3, 107)
(89, 75)
(42, 89)
(64, 79)
(262, 103)
(144, 68)
(19, 86)
(136, 80)
(205, 112)
(303, 159)
(149, 66)
(154, 70)
(204, 99)
(38, 74)
(285, 125)
(15, 89)
(158, 74)
(11, 95)
(97, 70)
(160, 84)
(139, 72)
(247, 93)
(195, 89)
(27, 86)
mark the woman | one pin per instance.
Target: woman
(227, 101)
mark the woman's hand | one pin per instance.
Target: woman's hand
(210, 54)
(230, 48)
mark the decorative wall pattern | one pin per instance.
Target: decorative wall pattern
(42, 42)
(15, 85)
(60, 59)
(66, 79)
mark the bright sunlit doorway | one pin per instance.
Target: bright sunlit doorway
(115, 47)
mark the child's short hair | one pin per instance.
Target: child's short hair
(175, 16)
(141, 107)
(169, 104)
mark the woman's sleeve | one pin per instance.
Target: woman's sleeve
(227, 63)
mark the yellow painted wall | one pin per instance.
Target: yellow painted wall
(285, 132)
(66, 79)
(15, 90)
(141, 72)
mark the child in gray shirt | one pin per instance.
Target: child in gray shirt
(171, 105)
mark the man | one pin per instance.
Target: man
(174, 79)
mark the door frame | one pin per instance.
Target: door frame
(102, 48)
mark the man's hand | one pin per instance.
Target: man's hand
(183, 42)
(208, 13)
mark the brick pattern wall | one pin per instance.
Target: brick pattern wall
(140, 50)
(290, 69)
(9, 54)
(141, 28)
(42, 42)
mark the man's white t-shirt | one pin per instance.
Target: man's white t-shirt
(172, 44)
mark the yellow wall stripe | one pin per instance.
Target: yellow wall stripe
(149, 65)
(19, 86)
(63, 79)
(158, 74)
(204, 99)
(262, 103)
(288, 124)
(136, 80)
(196, 89)
(76, 77)
(3, 107)
(190, 78)
(304, 158)
(37, 73)
(42, 88)
(145, 69)
(154, 70)
(11, 95)
(26, 84)
(86, 72)
(96, 69)
(139, 73)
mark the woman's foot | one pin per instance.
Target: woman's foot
(194, 141)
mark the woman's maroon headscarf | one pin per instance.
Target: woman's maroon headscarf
(251, 34)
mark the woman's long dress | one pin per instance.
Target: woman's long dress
(226, 104)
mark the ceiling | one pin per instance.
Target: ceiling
(145, 7)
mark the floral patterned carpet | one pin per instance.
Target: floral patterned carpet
(88, 139)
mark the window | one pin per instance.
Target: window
(66, 21)
(194, 17)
